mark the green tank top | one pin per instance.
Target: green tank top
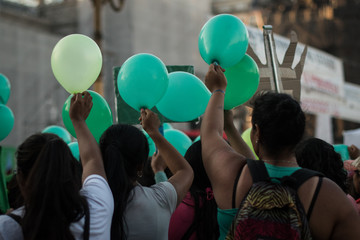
(226, 216)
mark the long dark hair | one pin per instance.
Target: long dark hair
(320, 156)
(51, 184)
(205, 219)
(124, 148)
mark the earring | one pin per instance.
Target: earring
(140, 174)
(257, 141)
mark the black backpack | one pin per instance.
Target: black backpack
(273, 210)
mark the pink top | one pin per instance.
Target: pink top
(182, 219)
(356, 203)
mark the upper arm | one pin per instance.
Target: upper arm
(222, 164)
(333, 215)
(182, 181)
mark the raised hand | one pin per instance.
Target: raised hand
(80, 106)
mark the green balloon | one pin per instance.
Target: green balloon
(243, 80)
(4, 89)
(99, 119)
(74, 147)
(223, 39)
(142, 81)
(60, 131)
(6, 121)
(185, 99)
(178, 139)
(246, 136)
(152, 147)
(76, 62)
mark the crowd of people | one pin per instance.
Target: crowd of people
(298, 189)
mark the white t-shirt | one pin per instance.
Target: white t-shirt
(101, 206)
(148, 213)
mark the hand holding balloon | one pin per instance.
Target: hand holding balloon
(215, 78)
(149, 121)
(80, 106)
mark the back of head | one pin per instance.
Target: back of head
(124, 149)
(50, 181)
(281, 122)
(205, 206)
(320, 156)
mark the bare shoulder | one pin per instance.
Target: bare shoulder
(333, 216)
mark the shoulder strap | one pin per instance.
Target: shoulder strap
(316, 193)
(258, 170)
(234, 188)
(17, 218)
(87, 223)
(300, 176)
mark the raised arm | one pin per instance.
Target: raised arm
(221, 162)
(81, 104)
(182, 172)
(234, 137)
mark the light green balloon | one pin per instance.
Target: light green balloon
(243, 81)
(185, 99)
(76, 62)
(246, 136)
(178, 139)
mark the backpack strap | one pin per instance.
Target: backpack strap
(234, 188)
(87, 223)
(258, 170)
(316, 193)
(17, 218)
(300, 176)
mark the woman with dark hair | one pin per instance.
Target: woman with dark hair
(278, 124)
(195, 217)
(318, 155)
(57, 203)
(142, 212)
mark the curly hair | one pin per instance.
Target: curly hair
(320, 156)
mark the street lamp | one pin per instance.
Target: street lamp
(117, 6)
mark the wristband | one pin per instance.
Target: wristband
(218, 90)
(160, 177)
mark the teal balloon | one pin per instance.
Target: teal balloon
(342, 149)
(74, 147)
(178, 139)
(185, 99)
(152, 147)
(197, 139)
(4, 89)
(99, 119)
(60, 131)
(167, 126)
(223, 39)
(6, 121)
(142, 81)
(243, 81)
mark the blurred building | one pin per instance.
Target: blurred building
(29, 29)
